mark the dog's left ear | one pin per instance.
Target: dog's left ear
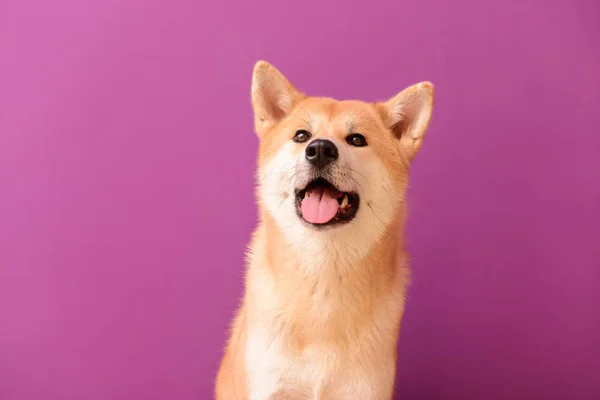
(273, 96)
(408, 114)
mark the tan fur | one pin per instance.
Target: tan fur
(322, 308)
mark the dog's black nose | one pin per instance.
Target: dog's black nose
(321, 153)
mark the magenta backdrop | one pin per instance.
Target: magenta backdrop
(126, 193)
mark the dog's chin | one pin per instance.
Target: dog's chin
(321, 212)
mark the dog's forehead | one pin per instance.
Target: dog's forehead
(329, 117)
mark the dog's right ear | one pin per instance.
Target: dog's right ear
(408, 114)
(273, 96)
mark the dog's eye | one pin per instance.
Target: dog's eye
(356, 140)
(301, 136)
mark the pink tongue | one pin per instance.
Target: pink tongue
(320, 207)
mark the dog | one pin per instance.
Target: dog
(327, 270)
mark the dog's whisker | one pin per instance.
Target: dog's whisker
(279, 206)
(303, 120)
(309, 123)
(361, 174)
(376, 216)
(263, 178)
(357, 182)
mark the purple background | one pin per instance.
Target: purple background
(126, 192)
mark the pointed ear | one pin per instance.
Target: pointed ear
(408, 114)
(273, 97)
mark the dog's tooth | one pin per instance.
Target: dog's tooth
(344, 201)
(306, 194)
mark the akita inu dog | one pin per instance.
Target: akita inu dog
(327, 271)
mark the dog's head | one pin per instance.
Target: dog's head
(334, 172)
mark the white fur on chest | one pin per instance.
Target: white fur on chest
(321, 371)
(317, 374)
(271, 373)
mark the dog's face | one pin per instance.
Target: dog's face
(334, 172)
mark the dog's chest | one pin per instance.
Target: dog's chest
(316, 374)
(273, 374)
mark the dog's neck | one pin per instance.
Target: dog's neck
(318, 303)
(327, 261)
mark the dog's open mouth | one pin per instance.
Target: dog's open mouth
(320, 203)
